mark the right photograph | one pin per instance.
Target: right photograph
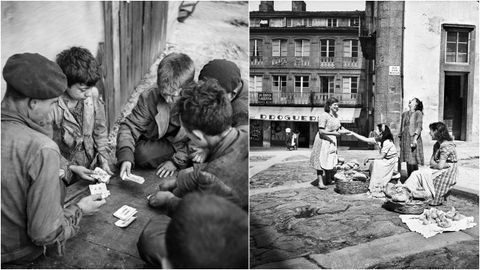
(364, 134)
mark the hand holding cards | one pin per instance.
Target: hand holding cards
(100, 188)
(100, 175)
(134, 178)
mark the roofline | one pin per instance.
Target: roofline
(306, 14)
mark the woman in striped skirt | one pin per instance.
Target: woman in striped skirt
(435, 182)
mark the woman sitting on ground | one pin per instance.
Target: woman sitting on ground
(435, 182)
(382, 166)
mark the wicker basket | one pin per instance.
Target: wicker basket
(351, 187)
(414, 207)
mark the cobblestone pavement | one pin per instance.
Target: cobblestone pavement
(279, 234)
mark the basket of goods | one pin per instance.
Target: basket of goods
(400, 200)
(349, 180)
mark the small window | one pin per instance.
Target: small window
(255, 84)
(353, 22)
(350, 85)
(350, 48)
(302, 47)
(297, 22)
(327, 48)
(332, 22)
(256, 47)
(457, 46)
(255, 22)
(326, 84)
(279, 83)
(279, 47)
(301, 82)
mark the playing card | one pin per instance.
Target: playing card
(124, 223)
(134, 178)
(125, 212)
(100, 175)
(100, 188)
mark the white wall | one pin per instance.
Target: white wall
(422, 40)
(49, 27)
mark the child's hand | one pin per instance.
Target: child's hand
(160, 199)
(82, 172)
(199, 155)
(166, 169)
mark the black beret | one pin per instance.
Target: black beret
(226, 73)
(34, 76)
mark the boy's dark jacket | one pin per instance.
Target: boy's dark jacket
(225, 172)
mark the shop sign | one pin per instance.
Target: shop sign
(287, 117)
(265, 97)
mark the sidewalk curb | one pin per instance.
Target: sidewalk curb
(465, 193)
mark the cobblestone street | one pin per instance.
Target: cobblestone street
(348, 231)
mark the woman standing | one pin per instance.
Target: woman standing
(382, 167)
(324, 152)
(436, 181)
(411, 146)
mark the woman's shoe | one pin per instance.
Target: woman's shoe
(322, 187)
(315, 182)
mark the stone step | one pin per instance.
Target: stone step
(386, 249)
(297, 263)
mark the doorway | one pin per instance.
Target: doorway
(455, 100)
(304, 129)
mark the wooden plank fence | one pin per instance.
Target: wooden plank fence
(135, 35)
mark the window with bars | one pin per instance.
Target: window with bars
(279, 47)
(327, 84)
(279, 83)
(457, 46)
(255, 84)
(301, 82)
(332, 22)
(302, 47)
(327, 48)
(350, 48)
(350, 85)
(256, 47)
(353, 22)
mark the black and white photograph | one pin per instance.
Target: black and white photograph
(124, 135)
(364, 130)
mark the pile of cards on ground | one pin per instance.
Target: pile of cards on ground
(100, 188)
(126, 215)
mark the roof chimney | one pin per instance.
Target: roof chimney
(266, 6)
(299, 6)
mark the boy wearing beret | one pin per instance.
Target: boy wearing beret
(78, 119)
(151, 136)
(33, 214)
(228, 76)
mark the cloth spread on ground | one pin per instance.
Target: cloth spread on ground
(415, 225)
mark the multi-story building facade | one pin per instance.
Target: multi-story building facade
(433, 48)
(298, 59)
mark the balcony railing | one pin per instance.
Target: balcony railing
(306, 98)
(327, 62)
(307, 61)
(351, 62)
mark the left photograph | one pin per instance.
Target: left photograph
(124, 135)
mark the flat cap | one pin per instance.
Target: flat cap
(34, 76)
(226, 73)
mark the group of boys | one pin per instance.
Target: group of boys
(54, 133)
